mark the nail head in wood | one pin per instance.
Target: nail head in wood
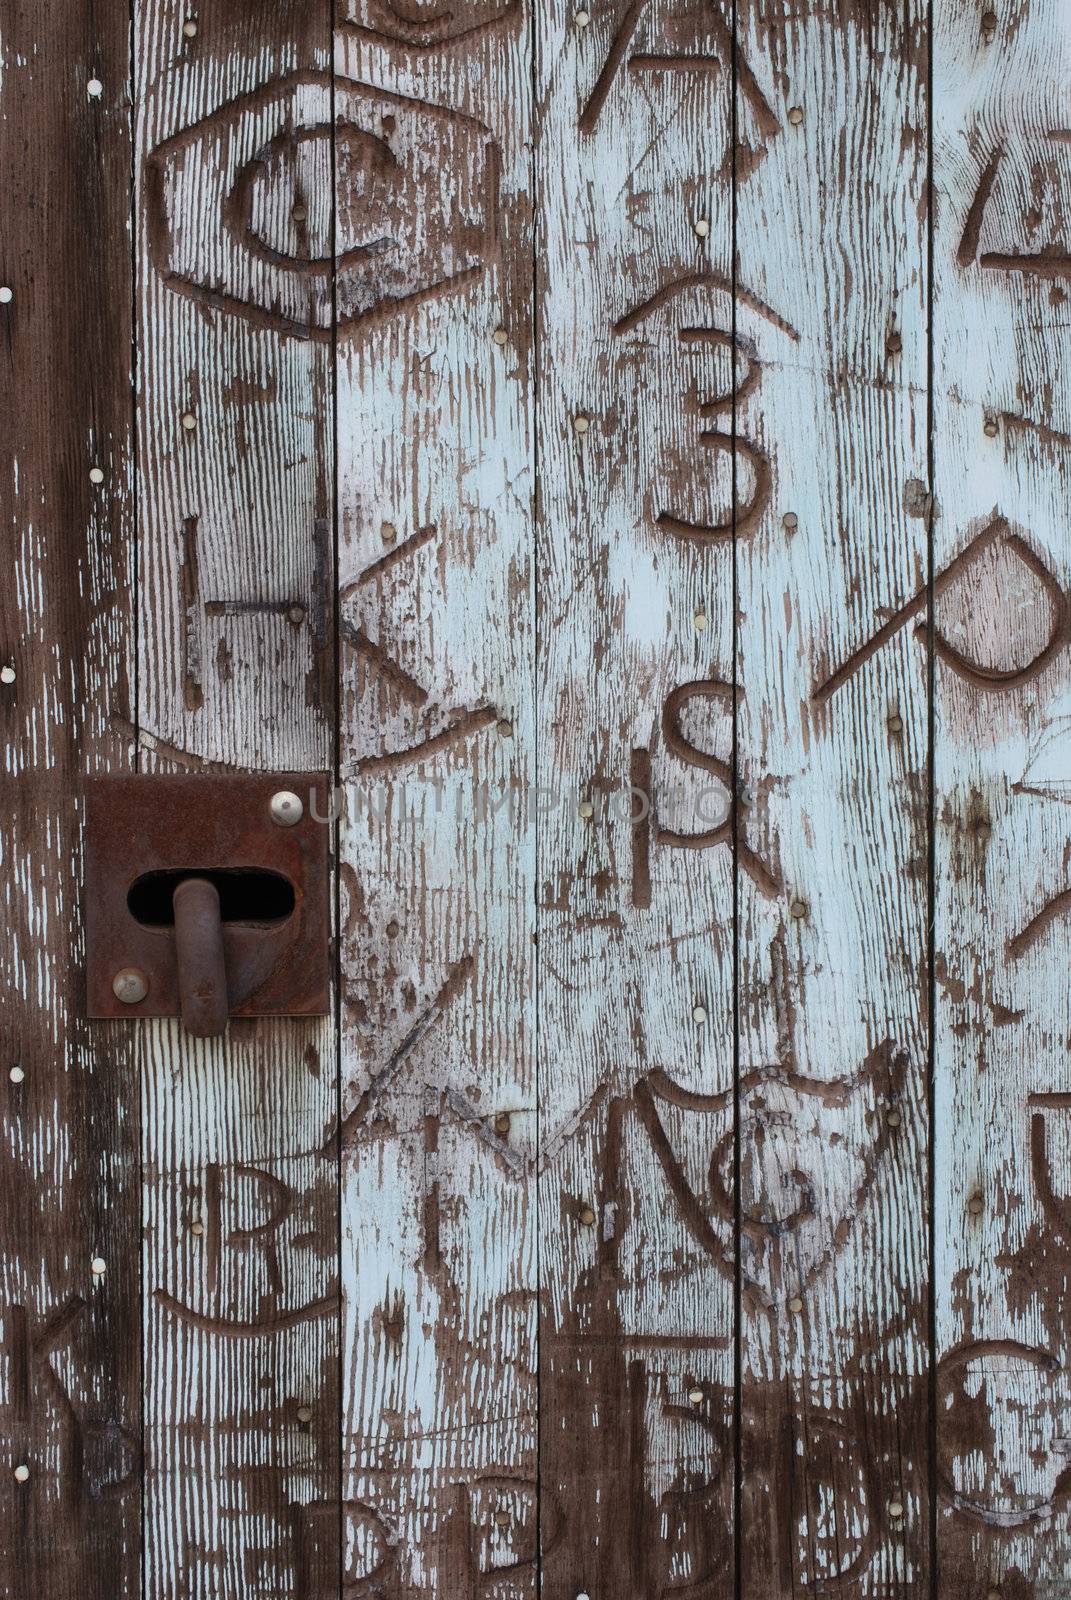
(895, 723)
(197, 1229)
(894, 1119)
(22, 1473)
(7, 674)
(798, 909)
(502, 1518)
(790, 522)
(296, 614)
(17, 1075)
(189, 421)
(500, 336)
(989, 23)
(299, 212)
(94, 88)
(304, 1413)
(502, 1124)
(286, 808)
(989, 428)
(98, 1266)
(96, 475)
(189, 28)
(702, 228)
(587, 1216)
(695, 1396)
(130, 985)
(582, 19)
(6, 295)
(505, 728)
(700, 620)
(976, 1205)
(894, 344)
(581, 424)
(587, 810)
(699, 1013)
(896, 1509)
(795, 1305)
(795, 116)
(388, 533)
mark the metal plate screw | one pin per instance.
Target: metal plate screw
(286, 808)
(130, 986)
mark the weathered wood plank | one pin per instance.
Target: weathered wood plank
(435, 368)
(69, 1337)
(635, 921)
(234, 172)
(1002, 355)
(69, 1372)
(832, 1088)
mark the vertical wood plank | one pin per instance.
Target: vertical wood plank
(69, 1337)
(435, 368)
(832, 764)
(1002, 358)
(634, 313)
(235, 438)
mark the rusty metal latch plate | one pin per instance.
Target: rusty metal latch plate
(146, 833)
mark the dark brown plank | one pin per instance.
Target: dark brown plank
(69, 1166)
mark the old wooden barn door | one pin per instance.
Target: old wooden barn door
(623, 447)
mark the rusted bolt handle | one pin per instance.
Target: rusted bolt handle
(202, 974)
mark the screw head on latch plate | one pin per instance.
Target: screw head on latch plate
(286, 808)
(130, 986)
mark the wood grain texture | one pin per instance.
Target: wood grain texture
(832, 1101)
(69, 1181)
(634, 555)
(436, 613)
(1002, 169)
(236, 601)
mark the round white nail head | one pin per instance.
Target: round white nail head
(6, 295)
(98, 1266)
(16, 1075)
(7, 674)
(94, 88)
(286, 808)
(22, 1472)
